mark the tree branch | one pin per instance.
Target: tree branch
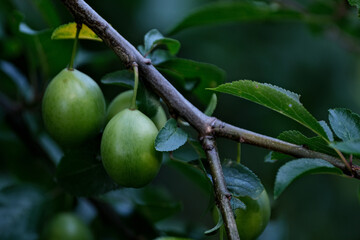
(207, 127)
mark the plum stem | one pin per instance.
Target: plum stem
(72, 59)
(136, 84)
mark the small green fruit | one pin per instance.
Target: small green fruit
(123, 100)
(252, 221)
(127, 149)
(67, 226)
(73, 107)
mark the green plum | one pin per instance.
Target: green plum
(73, 107)
(123, 100)
(127, 149)
(67, 226)
(252, 221)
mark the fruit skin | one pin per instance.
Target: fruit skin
(67, 226)
(127, 149)
(123, 100)
(73, 107)
(252, 221)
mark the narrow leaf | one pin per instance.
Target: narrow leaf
(68, 31)
(218, 225)
(222, 12)
(212, 105)
(327, 130)
(193, 76)
(122, 78)
(345, 123)
(170, 137)
(315, 143)
(154, 38)
(295, 169)
(18, 78)
(282, 101)
(241, 181)
(350, 147)
(84, 169)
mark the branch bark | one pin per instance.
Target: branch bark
(207, 127)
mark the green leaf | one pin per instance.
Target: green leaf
(211, 106)
(354, 3)
(295, 169)
(193, 76)
(190, 151)
(18, 78)
(122, 78)
(68, 31)
(154, 203)
(218, 225)
(81, 173)
(315, 143)
(327, 130)
(345, 123)
(170, 137)
(147, 101)
(154, 39)
(275, 98)
(241, 181)
(350, 147)
(20, 206)
(223, 12)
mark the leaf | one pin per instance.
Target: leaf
(122, 78)
(193, 76)
(218, 225)
(235, 12)
(345, 123)
(282, 101)
(68, 31)
(295, 169)
(20, 206)
(315, 143)
(154, 39)
(241, 181)
(354, 3)
(83, 168)
(147, 101)
(350, 147)
(212, 105)
(18, 78)
(170, 137)
(327, 130)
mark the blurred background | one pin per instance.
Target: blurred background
(319, 63)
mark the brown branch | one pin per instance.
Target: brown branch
(207, 127)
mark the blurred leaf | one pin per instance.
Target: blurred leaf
(122, 78)
(275, 98)
(327, 130)
(18, 78)
(188, 152)
(147, 101)
(223, 12)
(82, 167)
(155, 203)
(43, 53)
(355, 3)
(194, 76)
(218, 225)
(172, 238)
(48, 11)
(50, 146)
(241, 181)
(194, 173)
(315, 143)
(68, 31)
(154, 38)
(295, 169)
(212, 105)
(345, 123)
(273, 157)
(170, 137)
(350, 147)
(20, 208)
(236, 204)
